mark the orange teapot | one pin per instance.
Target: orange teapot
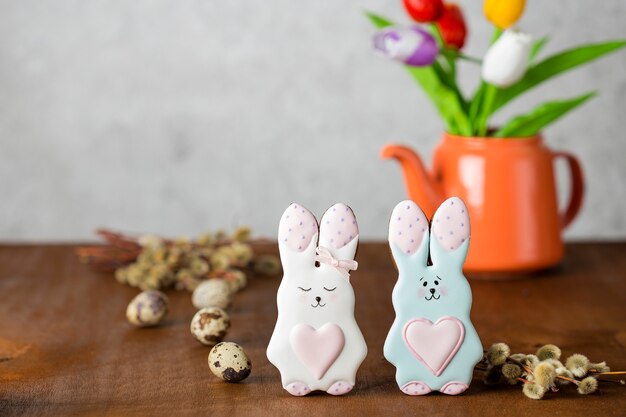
(509, 188)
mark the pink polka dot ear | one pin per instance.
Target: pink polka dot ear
(297, 227)
(407, 226)
(338, 226)
(451, 225)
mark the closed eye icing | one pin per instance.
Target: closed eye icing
(330, 289)
(304, 289)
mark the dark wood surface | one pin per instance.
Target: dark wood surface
(66, 348)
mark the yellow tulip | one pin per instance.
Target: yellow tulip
(504, 13)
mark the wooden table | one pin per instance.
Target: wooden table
(66, 348)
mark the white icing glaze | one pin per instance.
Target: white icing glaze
(316, 307)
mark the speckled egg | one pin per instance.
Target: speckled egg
(209, 325)
(212, 293)
(147, 308)
(228, 361)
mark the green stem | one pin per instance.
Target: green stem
(496, 34)
(450, 59)
(442, 47)
(452, 67)
(487, 106)
(453, 53)
(484, 102)
(475, 106)
(434, 29)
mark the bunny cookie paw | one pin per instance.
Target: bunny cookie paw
(297, 389)
(340, 388)
(316, 340)
(415, 388)
(454, 388)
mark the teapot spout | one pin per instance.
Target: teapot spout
(420, 184)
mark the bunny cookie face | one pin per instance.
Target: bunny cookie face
(316, 344)
(432, 342)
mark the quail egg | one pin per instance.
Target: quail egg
(229, 362)
(212, 293)
(148, 308)
(209, 325)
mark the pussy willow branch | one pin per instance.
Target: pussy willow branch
(608, 373)
(120, 249)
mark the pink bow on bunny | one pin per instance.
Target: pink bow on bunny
(344, 266)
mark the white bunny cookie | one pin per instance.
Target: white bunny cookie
(432, 342)
(317, 344)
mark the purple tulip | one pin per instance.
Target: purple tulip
(413, 46)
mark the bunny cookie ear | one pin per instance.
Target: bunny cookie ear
(339, 231)
(297, 235)
(408, 233)
(450, 232)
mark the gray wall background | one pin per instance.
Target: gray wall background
(177, 117)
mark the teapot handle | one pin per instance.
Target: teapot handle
(577, 188)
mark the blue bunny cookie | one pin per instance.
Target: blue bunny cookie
(432, 342)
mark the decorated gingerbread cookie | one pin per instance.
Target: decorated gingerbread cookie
(317, 344)
(432, 342)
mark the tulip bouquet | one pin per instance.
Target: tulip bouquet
(431, 48)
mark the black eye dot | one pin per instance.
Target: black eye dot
(425, 283)
(436, 282)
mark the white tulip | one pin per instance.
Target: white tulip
(506, 60)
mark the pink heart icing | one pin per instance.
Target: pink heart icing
(317, 349)
(434, 344)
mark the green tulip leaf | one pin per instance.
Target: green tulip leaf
(531, 123)
(537, 47)
(377, 20)
(445, 100)
(555, 65)
(439, 86)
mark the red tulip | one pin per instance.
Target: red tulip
(452, 26)
(424, 10)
